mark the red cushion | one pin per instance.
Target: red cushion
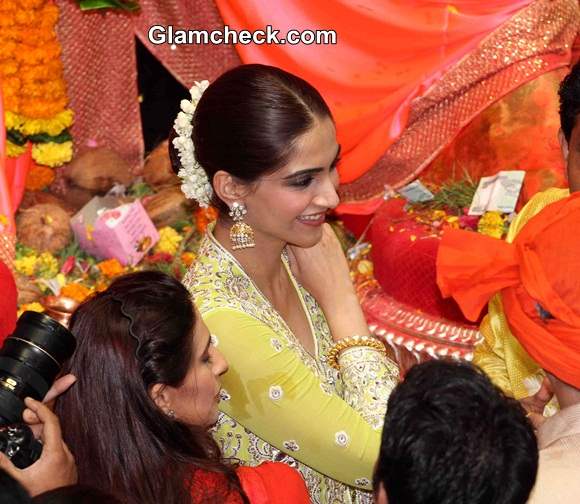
(404, 253)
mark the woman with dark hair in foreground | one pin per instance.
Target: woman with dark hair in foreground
(147, 392)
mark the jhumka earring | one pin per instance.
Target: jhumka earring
(241, 234)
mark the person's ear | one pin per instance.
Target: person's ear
(228, 188)
(161, 396)
(563, 144)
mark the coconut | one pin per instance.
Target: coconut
(97, 170)
(157, 171)
(168, 206)
(44, 227)
(32, 198)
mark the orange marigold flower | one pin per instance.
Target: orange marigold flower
(111, 268)
(187, 258)
(32, 55)
(50, 90)
(49, 70)
(7, 49)
(41, 109)
(27, 17)
(48, 16)
(8, 69)
(39, 177)
(31, 4)
(75, 291)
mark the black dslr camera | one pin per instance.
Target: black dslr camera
(30, 360)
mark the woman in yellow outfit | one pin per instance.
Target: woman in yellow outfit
(306, 385)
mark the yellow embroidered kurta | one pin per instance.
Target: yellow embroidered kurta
(500, 355)
(281, 403)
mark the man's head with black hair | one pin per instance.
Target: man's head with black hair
(569, 135)
(452, 437)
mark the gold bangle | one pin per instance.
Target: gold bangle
(353, 341)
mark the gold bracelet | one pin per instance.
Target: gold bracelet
(353, 341)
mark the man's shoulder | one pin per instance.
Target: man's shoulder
(534, 206)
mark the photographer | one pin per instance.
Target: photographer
(56, 466)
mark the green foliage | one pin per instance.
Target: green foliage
(126, 5)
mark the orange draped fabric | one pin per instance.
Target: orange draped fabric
(537, 276)
(388, 53)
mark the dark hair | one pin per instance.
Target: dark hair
(248, 121)
(133, 335)
(12, 492)
(452, 437)
(570, 100)
(76, 494)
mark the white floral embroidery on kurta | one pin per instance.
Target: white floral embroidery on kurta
(276, 393)
(224, 395)
(291, 445)
(276, 344)
(362, 482)
(341, 438)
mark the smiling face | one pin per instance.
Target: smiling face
(290, 204)
(195, 401)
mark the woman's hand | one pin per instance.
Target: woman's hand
(323, 271)
(322, 266)
(56, 466)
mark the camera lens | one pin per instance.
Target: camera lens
(30, 360)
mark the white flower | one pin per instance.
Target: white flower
(195, 183)
(276, 393)
(187, 107)
(341, 439)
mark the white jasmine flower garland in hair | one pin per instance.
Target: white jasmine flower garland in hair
(195, 184)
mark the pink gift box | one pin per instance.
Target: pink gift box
(108, 229)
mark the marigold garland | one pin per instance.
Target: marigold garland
(39, 177)
(32, 79)
(52, 154)
(13, 150)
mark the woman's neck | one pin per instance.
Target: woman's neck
(261, 263)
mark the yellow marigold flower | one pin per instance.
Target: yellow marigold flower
(187, 258)
(47, 265)
(26, 265)
(76, 291)
(491, 224)
(27, 126)
(39, 177)
(111, 268)
(35, 307)
(13, 150)
(169, 241)
(52, 154)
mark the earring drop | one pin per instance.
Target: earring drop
(241, 234)
(171, 414)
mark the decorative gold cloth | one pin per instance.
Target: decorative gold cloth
(536, 40)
